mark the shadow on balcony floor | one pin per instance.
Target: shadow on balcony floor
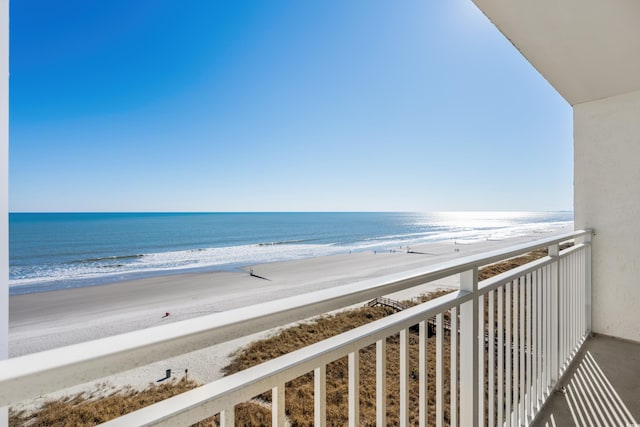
(601, 388)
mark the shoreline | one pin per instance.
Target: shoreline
(92, 266)
(41, 321)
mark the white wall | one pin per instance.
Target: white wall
(607, 199)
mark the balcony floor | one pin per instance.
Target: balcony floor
(602, 387)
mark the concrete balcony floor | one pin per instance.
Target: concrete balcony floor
(601, 387)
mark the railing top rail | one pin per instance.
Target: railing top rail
(39, 373)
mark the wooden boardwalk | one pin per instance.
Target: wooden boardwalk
(387, 302)
(398, 306)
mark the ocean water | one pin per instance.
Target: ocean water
(60, 250)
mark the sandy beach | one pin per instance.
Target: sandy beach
(48, 320)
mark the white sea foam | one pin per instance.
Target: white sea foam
(206, 258)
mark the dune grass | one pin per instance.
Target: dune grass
(87, 410)
(84, 410)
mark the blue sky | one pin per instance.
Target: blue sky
(278, 106)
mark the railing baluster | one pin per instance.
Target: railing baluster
(501, 333)
(538, 336)
(404, 377)
(555, 318)
(574, 304)
(566, 287)
(423, 392)
(530, 341)
(453, 369)
(578, 302)
(572, 301)
(581, 288)
(227, 418)
(523, 381)
(566, 311)
(577, 273)
(562, 311)
(577, 295)
(569, 311)
(508, 355)
(481, 371)
(381, 383)
(516, 359)
(560, 315)
(278, 416)
(574, 298)
(439, 371)
(491, 376)
(551, 333)
(320, 396)
(533, 360)
(354, 389)
(587, 280)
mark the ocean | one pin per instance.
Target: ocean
(50, 251)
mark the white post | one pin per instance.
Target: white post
(228, 418)
(320, 396)
(404, 377)
(277, 406)
(554, 251)
(4, 189)
(381, 382)
(469, 387)
(587, 278)
(354, 389)
(424, 376)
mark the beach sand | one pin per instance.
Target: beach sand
(53, 319)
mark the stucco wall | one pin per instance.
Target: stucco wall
(607, 199)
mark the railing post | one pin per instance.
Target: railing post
(554, 252)
(586, 240)
(469, 387)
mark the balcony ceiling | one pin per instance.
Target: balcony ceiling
(586, 49)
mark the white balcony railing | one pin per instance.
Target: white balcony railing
(511, 337)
